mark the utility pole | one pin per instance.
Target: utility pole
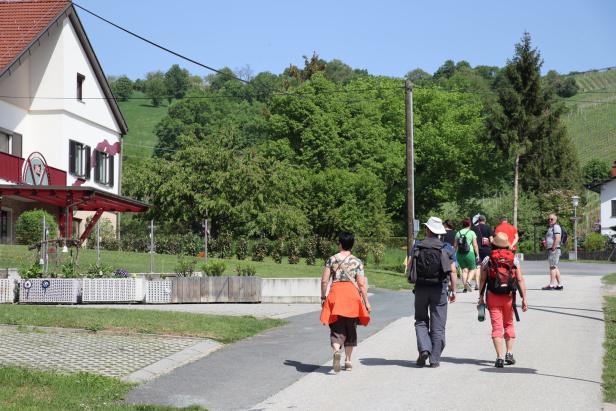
(410, 167)
(205, 235)
(44, 259)
(98, 244)
(151, 246)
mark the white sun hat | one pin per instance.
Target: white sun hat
(435, 225)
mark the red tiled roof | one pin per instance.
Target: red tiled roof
(21, 21)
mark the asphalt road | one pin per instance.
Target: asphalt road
(245, 373)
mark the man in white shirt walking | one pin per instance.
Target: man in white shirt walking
(552, 242)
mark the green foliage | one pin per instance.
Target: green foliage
(277, 251)
(185, 266)
(594, 242)
(241, 248)
(361, 251)
(596, 170)
(34, 270)
(156, 88)
(29, 226)
(378, 252)
(245, 270)
(561, 85)
(99, 271)
(69, 269)
(214, 268)
(107, 234)
(311, 249)
(178, 244)
(259, 251)
(177, 81)
(293, 251)
(122, 88)
(325, 248)
(223, 245)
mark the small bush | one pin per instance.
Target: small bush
(98, 271)
(185, 266)
(107, 234)
(214, 268)
(222, 245)
(361, 252)
(325, 248)
(278, 251)
(259, 251)
(247, 270)
(178, 244)
(311, 250)
(69, 269)
(31, 271)
(595, 242)
(241, 249)
(294, 252)
(378, 252)
(29, 226)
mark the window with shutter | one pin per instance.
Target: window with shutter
(79, 159)
(613, 208)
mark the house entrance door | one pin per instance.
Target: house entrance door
(5, 229)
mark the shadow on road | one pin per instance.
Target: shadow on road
(301, 367)
(472, 361)
(520, 370)
(563, 313)
(383, 361)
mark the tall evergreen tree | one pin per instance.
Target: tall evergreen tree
(527, 127)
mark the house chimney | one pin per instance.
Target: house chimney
(614, 170)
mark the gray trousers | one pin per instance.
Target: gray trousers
(430, 319)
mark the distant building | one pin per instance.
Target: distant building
(60, 127)
(607, 191)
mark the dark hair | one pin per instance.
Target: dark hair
(448, 224)
(466, 222)
(346, 240)
(504, 218)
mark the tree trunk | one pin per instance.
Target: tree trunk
(516, 177)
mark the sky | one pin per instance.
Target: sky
(386, 37)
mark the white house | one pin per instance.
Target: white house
(60, 127)
(607, 191)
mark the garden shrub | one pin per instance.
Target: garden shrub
(247, 270)
(241, 249)
(259, 251)
(107, 234)
(378, 252)
(293, 251)
(214, 268)
(29, 226)
(595, 242)
(98, 271)
(185, 266)
(311, 250)
(325, 248)
(361, 252)
(277, 251)
(223, 245)
(31, 271)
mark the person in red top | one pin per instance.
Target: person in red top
(510, 230)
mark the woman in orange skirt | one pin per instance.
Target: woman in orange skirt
(347, 303)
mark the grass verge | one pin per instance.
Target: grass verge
(22, 389)
(609, 360)
(225, 329)
(609, 279)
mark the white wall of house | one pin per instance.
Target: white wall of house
(608, 193)
(46, 124)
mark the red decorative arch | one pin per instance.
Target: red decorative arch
(35, 171)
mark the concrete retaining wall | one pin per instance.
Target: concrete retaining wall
(291, 290)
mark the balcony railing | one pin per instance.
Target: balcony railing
(11, 168)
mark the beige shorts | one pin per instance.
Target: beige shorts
(554, 257)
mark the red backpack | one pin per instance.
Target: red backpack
(501, 275)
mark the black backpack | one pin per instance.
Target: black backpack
(563, 235)
(426, 265)
(463, 245)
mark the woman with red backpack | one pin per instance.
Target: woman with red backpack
(502, 276)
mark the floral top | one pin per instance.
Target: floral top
(344, 268)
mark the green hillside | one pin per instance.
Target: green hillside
(141, 117)
(591, 121)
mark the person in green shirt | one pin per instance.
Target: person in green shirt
(467, 252)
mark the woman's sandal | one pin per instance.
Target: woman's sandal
(348, 366)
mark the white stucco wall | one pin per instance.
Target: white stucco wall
(48, 124)
(608, 193)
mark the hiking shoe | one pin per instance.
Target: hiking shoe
(421, 360)
(348, 366)
(559, 288)
(337, 361)
(499, 363)
(548, 288)
(435, 364)
(509, 360)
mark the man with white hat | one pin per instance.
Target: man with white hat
(433, 272)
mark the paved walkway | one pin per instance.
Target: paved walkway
(134, 358)
(559, 362)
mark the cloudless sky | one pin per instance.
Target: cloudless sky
(387, 37)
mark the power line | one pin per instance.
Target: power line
(158, 45)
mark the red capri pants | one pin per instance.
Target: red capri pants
(501, 315)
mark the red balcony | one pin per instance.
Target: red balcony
(11, 170)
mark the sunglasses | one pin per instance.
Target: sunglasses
(550, 219)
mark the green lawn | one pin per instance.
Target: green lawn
(225, 329)
(610, 279)
(15, 256)
(22, 389)
(609, 359)
(141, 118)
